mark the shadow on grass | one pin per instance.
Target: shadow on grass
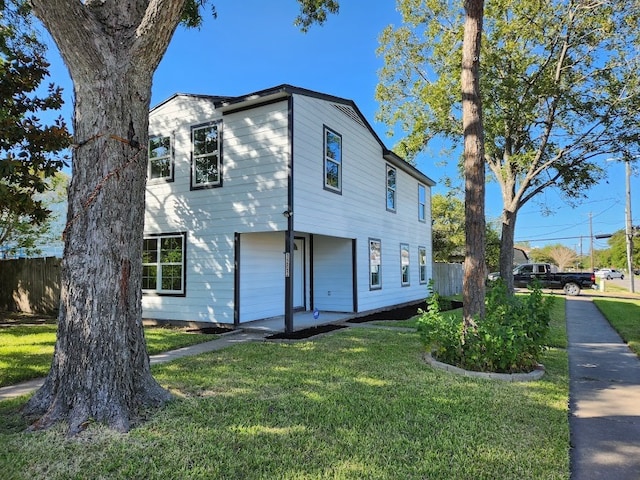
(359, 403)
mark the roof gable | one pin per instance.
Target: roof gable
(227, 104)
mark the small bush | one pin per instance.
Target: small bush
(510, 338)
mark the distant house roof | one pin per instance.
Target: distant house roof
(228, 103)
(519, 256)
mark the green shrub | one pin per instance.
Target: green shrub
(510, 338)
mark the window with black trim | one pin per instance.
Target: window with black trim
(391, 188)
(160, 166)
(422, 263)
(404, 263)
(332, 160)
(163, 264)
(422, 203)
(206, 166)
(375, 263)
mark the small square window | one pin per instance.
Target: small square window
(163, 264)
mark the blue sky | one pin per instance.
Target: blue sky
(253, 45)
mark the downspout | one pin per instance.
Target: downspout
(289, 235)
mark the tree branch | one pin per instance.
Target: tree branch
(156, 28)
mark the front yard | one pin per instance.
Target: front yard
(358, 403)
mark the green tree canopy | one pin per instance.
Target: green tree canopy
(30, 152)
(560, 87)
(447, 212)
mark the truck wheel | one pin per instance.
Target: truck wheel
(571, 288)
(621, 277)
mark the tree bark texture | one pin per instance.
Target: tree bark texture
(506, 247)
(473, 287)
(100, 370)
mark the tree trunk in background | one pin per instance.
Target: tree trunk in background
(506, 248)
(473, 285)
(100, 370)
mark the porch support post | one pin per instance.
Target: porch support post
(289, 236)
(288, 280)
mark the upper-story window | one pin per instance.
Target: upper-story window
(206, 166)
(160, 165)
(422, 203)
(332, 160)
(391, 188)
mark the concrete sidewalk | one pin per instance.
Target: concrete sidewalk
(223, 341)
(604, 397)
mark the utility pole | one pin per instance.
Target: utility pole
(628, 226)
(591, 238)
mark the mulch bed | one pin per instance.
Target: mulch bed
(211, 330)
(402, 313)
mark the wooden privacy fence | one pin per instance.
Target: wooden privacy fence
(30, 285)
(447, 278)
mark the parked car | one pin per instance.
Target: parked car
(609, 273)
(570, 282)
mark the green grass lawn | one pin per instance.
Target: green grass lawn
(624, 317)
(356, 404)
(26, 350)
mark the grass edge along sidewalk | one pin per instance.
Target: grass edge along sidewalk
(358, 403)
(623, 315)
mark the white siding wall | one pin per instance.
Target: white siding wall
(333, 278)
(255, 153)
(262, 279)
(360, 211)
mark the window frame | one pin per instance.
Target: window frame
(422, 203)
(327, 159)
(405, 276)
(217, 124)
(372, 285)
(422, 264)
(394, 189)
(158, 290)
(170, 157)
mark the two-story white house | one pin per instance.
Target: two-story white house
(280, 201)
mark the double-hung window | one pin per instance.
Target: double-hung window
(163, 264)
(422, 263)
(391, 188)
(206, 165)
(332, 160)
(160, 165)
(422, 203)
(375, 264)
(404, 263)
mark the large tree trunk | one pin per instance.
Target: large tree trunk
(506, 247)
(473, 285)
(100, 369)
